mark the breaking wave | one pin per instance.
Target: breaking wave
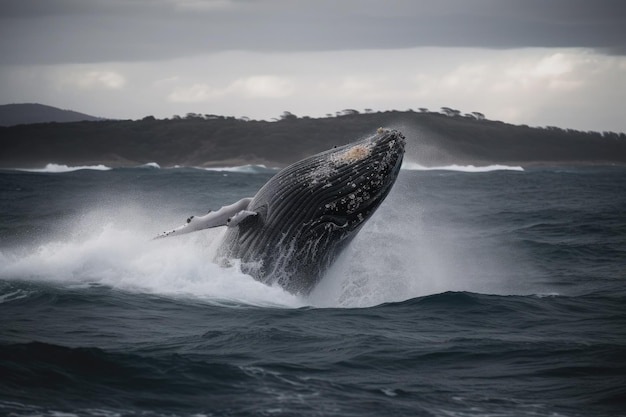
(413, 166)
(244, 169)
(59, 168)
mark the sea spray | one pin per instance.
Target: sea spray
(410, 250)
(420, 242)
(405, 251)
(125, 258)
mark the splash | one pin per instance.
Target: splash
(402, 253)
(122, 256)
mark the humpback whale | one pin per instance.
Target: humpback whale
(296, 225)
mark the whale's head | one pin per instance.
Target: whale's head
(348, 183)
(310, 210)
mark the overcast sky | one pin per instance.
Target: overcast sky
(536, 62)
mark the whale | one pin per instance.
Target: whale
(293, 229)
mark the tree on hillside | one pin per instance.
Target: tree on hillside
(287, 115)
(347, 112)
(450, 112)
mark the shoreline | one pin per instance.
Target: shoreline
(432, 140)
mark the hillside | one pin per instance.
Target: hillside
(434, 139)
(17, 114)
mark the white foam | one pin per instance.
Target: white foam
(402, 253)
(58, 168)
(413, 166)
(246, 169)
(14, 295)
(125, 257)
(150, 165)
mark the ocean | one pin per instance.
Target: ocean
(473, 291)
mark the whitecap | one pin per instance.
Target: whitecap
(413, 166)
(245, 169)
(150, 165)
(59, 168)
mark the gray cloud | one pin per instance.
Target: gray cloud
(540, 62)
(74, 31)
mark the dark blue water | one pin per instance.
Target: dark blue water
(499, 293)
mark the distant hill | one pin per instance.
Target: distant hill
(434, 139)
(29, 113)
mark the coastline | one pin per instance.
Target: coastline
(433, 140)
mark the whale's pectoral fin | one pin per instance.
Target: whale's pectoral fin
(239, 217)
(221, 217)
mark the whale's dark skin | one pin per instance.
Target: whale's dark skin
(296, 225)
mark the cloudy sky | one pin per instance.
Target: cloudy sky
(536, 62)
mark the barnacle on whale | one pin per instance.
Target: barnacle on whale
(353, 154)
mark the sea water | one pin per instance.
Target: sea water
(473, 291)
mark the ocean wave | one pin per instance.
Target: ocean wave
(13, 295)
(414, 166)
(245, 169)
(60, 168)
(263, 169)
(150, 165)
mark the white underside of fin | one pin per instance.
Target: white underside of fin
(223, 217)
